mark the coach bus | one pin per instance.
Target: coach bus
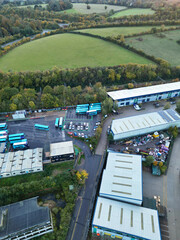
(5, 132)
(3, 126)
(16, 135)
(18, 141)
(57, 122)
(3, 138)
(20, 145)
(60, 122)
(41, 127)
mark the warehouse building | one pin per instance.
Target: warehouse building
(24, 220)
(125, 221)
(61, 151)
(143, 124)
(145, 94)
(122, 178)
(21, 162)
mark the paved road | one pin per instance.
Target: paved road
(93, 164)
(173, 192)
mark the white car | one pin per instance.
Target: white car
(82, 135)
(137, 107)
(81, 127)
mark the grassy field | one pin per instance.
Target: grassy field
(43, 5)
(160, 45)
(133, 11)
(95, 8)
(67, 51)
(114, 31)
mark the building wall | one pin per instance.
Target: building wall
(147, 98)
(113, 234)
(62, 157)
(144, 131)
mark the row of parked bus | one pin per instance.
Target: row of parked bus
(18, 141)
(59, 122)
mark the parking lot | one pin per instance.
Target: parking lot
(80, 125)
(38, 138)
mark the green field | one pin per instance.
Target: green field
(133, 11)
(43, 5)
(95, 8)
(114, 31)
(160, 45)
(67, 51)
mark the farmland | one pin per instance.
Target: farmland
(161, 45)
(94, 8)
(67, 51)
(114, 31)
(133, 11)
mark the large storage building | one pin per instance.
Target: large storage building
(143, 124)
(24, 220)
(145, 94)
(61, 151)
(122, 178)
(21, 162)
(125, 221)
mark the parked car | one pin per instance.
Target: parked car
(98, 123)
(70, 133)
(137, 107)
(84, 123)
(87, 127)
(75, 134)
(73, 127)
(82, 135)
(78, 128)
(79, 134)
(173, 102)
(81, 127)
(156, 104)
(64, 126)
(70, 127)
(86, 136)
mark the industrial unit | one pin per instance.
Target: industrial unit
(143, 124)
(24, 220)
(125, 221)
(122, 178)
(61, 151)
(21, 162)
(145, 94)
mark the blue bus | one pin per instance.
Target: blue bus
(92, 112)
(5, 132)
(60, 122)
(21, 145)
(3, 126)
(18, 141)
(57, 122)
(16, 138)
(41, 127)
(16, 135)
(3, 138)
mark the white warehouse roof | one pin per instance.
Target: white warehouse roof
(145, 123)
(15, 163)
(61, 148)
(126, 218)
(122, 178)
(136, 92)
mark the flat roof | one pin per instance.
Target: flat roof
(122, 178)
(126, 218)
(135, 92)
(147, 120)
(61, 148)
(22, 215)
(21, 161)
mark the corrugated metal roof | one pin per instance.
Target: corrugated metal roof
(143, 91)
(147, 120)
(61, 148)
(127, 218)
(122, 177)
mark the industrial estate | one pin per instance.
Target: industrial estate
(121, 210)
(89, 119)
